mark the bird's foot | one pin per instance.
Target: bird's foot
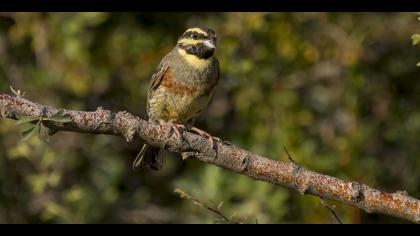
(213, 140)
(176, 128)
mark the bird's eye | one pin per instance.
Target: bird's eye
(194, 35)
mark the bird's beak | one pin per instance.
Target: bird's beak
(209, 44)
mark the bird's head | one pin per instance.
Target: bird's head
(198, 42)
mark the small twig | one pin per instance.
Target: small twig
(288, 155)
(331, 210)
(18, 92)
(218, 213)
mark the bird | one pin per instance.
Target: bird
(180, 88)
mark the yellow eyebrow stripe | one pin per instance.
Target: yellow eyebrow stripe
(189, 41)
(198, 30)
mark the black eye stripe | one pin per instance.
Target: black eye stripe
(199, 35)
(199, 50)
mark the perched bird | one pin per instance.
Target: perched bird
(181, 88)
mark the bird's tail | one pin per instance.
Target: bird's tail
(148, 158)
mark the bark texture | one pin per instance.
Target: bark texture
(226, 155)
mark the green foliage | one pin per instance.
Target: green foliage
(339, 90)
(416, 39)
(30, 127)
(29, 132)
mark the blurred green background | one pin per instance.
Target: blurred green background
(340, 90)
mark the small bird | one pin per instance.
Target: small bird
(181, 87)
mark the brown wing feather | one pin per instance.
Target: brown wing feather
(157, 77)
(155, 82)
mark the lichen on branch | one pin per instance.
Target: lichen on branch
(228, 156)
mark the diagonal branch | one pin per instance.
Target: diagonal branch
(228, 156)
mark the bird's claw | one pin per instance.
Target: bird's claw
(213, 140)
(177, 128)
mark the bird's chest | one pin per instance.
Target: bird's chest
(187, 106)
(178, 102)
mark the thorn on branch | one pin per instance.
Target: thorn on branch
(304, 187)
(288, 155)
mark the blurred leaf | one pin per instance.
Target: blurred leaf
(27, 134)
(219, 206)
(43, 133)
(24, 120)
(416, 39)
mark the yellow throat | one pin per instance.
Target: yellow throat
(194, 60)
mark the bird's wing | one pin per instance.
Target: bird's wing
(156, 80)
(157, 77)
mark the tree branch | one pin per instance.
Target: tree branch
(228, 156)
